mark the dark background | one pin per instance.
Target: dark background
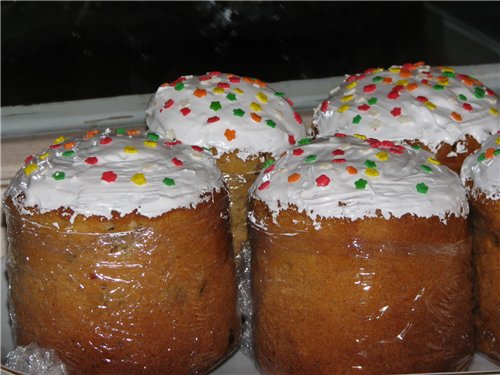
(57, 51)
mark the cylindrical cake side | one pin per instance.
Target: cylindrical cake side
(368, 296)
(129, 294)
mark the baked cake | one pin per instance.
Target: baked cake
(361, 261)
(241, 120)
(448, 113)
(120, 255)
(481, 176)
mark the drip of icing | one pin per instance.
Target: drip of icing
(346, 177)
(105, 173)
(483, 169)
(227, 112)
(409, 102)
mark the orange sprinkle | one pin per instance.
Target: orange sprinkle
(255, 117)
(467, 81)
(412, 86)
(456, 116)
(199, 93)
(404, 73)
(248, 80)
(260, 83)
(69, 145)
(490, 153)
(419, 63)
(387, 80)
(351, 170)
(91, 134)
(133, 132)
(294, 177)
(230, 134)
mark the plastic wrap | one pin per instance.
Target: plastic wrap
(157, 298)
(486, 255)
(32, 359)
(341, 300)
(245, 298)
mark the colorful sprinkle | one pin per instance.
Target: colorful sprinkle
(255, 117)
(305, 141)
(370, 164)
(467, 107)
(351, 170)
(422, 188)
(360, 184)
(310, 158)
(270, 123)
(169, 181)
(58, 175)
(323, 180)
(493, 111)
(59, 140)
(371, 172)
(396, 111)
(30, 168)
(105, 140)
(68, 154)
(294, 177)
(153, 136)
(297, 152)
(91, 160)
(297, 117)
(456, 116)
(130, 150)
(343, 108)
(231, 97)
(426, 168)
(264, 185)
(213, 119)
(372, 101)
(262, 97)
(199, 93)
(433, 161)
(177, 162)
(238, 112)
(179, 86)
(109, 176)
(138, 179)
(215, 106)
(370, 88)
(364, 107)
(382, 155)
(185, 111)
(169, 103)
(230, 134)
(218, 90)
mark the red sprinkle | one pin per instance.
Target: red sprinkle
(350, 79)
(361, 76)
(387, 144)
(55, 146)
(289, 101)
(323, 180)
(178, 80)
(28, 159)
(370, 88)
(177, 162)
(264, 185)
(214, 73)
(398, 88)
(270, 168)
(234, 79)
(422, 99)
(291, 139)
(364, 107)
(223, 85)
(169, 103)
(297, 152)
(397, 150)
(91, 160)
(172, 143)
(338, 152)
(324, 106)
(106, 140)
(394, 94)
(205, 77)
(185, 111)
(213, 119)
(490, 92)
(338, 161)
(396, 111)
(109, 176)
(297, 118)
(467, 107)
(197, 148)
(340, 135)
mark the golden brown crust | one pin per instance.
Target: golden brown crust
(239, 175)
(486, 255)
(160, 298)
(389, 296)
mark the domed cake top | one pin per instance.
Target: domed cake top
(411, 102)
(227, 112)
(354, 177)
(482, 169)
(109, 173)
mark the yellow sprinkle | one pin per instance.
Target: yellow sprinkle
(430, 105)
(382, 155)
(360, 136)
(238, 91)
(493, 111)
(443, 80)
(498, 141)
(343, 108)
(44, 156)
(394, 69)
(347, 98)
(433, 161)
(218, 90)
(151, 144)
(262, 97)
(59, 140)
(138, 179)
(255, 107)
(378, 70)
(371, 172)
(30, 168)
(447, 69)
(402, 82)
(130, 150)
(351, 85)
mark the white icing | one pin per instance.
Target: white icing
(85, 192)
(251, 137)
(482, 171)
(416, 120)
(393, 191)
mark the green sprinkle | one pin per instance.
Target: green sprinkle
(438, 87)
(59, 175)
(169, 181)
(449, 74)
(479, 92)
(496, 152)
(372, 101)
(179, 86)
(280, 94)
(271, 123)
(153, 136)
(415, 147)
(305, 141)
(422, 188)
(120, 131)
(68, 154)
(360, 184)
(377, 79)
(268, 163)
(311, 158)
(481, 157)
(426, 168)
(238, 112)
(370, 164)
(462, 97)
(215, 106)
(231, 97)
(356, 119)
